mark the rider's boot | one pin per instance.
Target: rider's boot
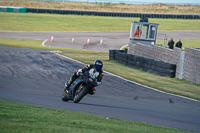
(92, 91)
(67, 85)
(71, 80)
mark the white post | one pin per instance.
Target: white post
(180, 73)
(131, 32)
(166, 39)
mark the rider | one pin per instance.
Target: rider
(94, 69)
(137, 31)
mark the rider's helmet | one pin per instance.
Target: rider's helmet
(98, 65)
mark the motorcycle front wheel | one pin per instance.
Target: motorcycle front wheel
(64, 96)
(79, 93)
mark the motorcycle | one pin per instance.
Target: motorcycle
(83, 85)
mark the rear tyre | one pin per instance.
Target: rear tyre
(79, 93)
(64, 96)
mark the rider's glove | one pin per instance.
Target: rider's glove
(79, 72)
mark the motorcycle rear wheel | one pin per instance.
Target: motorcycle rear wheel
(64, 96)
(79, 93)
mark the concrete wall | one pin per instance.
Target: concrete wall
(157, 53)
(187, 61)
(191, 67)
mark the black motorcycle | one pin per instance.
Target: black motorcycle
(80, 87)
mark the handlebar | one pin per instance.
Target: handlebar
(89, 79)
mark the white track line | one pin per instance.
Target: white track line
(129, 80)
(123, 46)
(43, 44)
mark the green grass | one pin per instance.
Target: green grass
(194, 43)
(36, 44)
(17, 118)
(55, 22)
(171, 85)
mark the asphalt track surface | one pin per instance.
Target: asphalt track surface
(111, 39)
(37, 77)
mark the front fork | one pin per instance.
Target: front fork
(79, 88)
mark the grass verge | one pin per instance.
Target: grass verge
(106, 6)
(17, 118)
(56, 22)
(171, 85)
(194, 43)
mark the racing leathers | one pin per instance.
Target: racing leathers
(93, 72)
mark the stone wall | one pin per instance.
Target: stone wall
(148, 65)
(191, 67)
(158, 53)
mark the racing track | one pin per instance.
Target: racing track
(37, 77)
(111, 39)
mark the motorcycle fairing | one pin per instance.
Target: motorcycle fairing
(78, 81)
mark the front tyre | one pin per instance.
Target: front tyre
(64, 96)
(79, 93)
